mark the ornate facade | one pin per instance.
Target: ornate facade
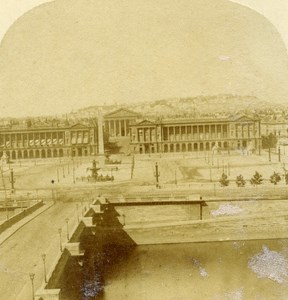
(195, 135)
(48, 141)
(117, 123)
(279, 128)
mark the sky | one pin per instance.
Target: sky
(275, 11)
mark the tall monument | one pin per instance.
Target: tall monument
(100, 133)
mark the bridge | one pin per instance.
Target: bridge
(109, 225)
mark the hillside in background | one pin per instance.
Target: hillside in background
(202, 106)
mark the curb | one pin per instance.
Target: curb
(28, 219)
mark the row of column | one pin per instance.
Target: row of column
(189, 132)
(147, 134)
(79, 137)
(185, 147)
(31, 139)
(32, 153)
(46, 152)
(118, 127)
(245, 131)
(197, 146)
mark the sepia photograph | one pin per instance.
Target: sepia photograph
(143, 150)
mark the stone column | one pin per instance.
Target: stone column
(209, 132)
(185, 133)
(114, 127)
(109, 128)
(175, 138)
(125, 128)
(120, 127)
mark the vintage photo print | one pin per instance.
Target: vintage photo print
(143, 150)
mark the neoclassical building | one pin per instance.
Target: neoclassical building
(278, 127)
(195, 135)
(117, 123)
(20, 142)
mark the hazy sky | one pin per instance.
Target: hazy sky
(122, 76)
(275, 10)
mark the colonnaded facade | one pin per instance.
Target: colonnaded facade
(196, 135)
(48, 141)
(117, 123)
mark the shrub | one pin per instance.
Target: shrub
(240, 181)
(256, 179)
(275, 178)
(224, 180)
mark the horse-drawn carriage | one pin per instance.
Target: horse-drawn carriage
(109, 161)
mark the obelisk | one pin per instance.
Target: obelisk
(100, 133)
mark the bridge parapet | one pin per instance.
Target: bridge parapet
(74, 249)
(51, 294)
(88, 221)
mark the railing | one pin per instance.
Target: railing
(14, 219)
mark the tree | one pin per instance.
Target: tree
(286, 178)
(275, 178)
(112, 147)
(269, 141)
(224, 180)
(240, 181)
(256, 179)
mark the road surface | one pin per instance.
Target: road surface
(21, 253)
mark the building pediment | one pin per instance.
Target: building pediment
(145, 123)
(79, 126)
(121, 113)
(243, 119)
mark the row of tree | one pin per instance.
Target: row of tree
(255, 180)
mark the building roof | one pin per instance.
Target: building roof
(42, 127)
(195, 121)
(121, 113)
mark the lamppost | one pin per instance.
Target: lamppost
(77, 212)
(32, 275)
(44, 266)
(12, 181)
(57, 174)
(82, 209)
(157, 175)
(175, 180)
(29, 202)
(60, 239)
(52, 191)
(210, 172)
(73, 170)
(67, 221)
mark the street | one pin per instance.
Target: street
(21, 253)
